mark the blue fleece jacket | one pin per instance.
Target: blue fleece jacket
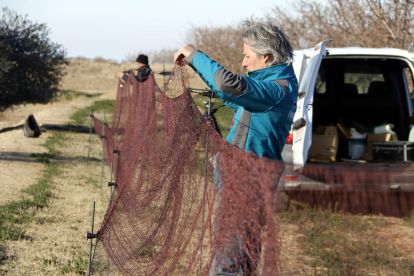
(265, 101)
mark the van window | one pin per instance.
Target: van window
(306, 78)
(363, 77)
(320, 85)
(409, 78)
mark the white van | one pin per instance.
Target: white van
(342, 85)
(370, 86)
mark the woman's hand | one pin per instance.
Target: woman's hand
(184, 52)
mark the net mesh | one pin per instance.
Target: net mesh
(187, 202)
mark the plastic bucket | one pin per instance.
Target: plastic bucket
(356, 144)
(356, 148)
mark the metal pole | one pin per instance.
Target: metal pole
(209, 105)
(110, 194)
(115, 152)
(91, 236)
(103, 149)
(107, 268)
(163, 73)
(202, 214)
(110, 199)
(90, 131)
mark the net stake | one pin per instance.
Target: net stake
(91, 236)
(115, 151)
(103, 148)
(163, 71)
(90, 131)
(111, 184)
(110, 200)
(202, 213)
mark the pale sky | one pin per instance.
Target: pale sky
(112, 29)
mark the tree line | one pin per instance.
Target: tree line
(363, 23)
(31, 66)
(163, 56)
(360, 23)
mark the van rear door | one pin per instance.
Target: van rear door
(299, 63)
(302, 123)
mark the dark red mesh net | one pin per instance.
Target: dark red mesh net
(357, 189)
(189, 203)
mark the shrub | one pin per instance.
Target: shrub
(31, 66)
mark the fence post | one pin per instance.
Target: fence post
(110, 199)
(91, 236)
(110, 192)
(202, 213)
(115, 151)
(90, 131)
(111, 184)
(103, 148)
(163, 73)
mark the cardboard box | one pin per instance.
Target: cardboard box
(324, 144)
(371, 137)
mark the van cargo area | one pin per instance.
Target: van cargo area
(362, 93)
(353, 141)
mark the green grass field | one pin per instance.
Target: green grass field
(81, 117)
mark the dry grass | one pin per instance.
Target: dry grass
(333, 243)
(12, 173)
(14, 150)
(56, 244)
(54, 241)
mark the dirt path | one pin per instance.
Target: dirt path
(56, 243)
(16, 149)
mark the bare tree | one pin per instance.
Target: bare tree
(132, 57)
(223, 44)
(365, 23)
(163, 56)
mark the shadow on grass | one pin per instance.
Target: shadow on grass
(44, 158)
(3, 254)
(68, 127)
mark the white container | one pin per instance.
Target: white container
(411, 136)
(383, 129)
(357, 145)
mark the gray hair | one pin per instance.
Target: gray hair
(268, 38)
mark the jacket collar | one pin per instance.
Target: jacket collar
(275, 72)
